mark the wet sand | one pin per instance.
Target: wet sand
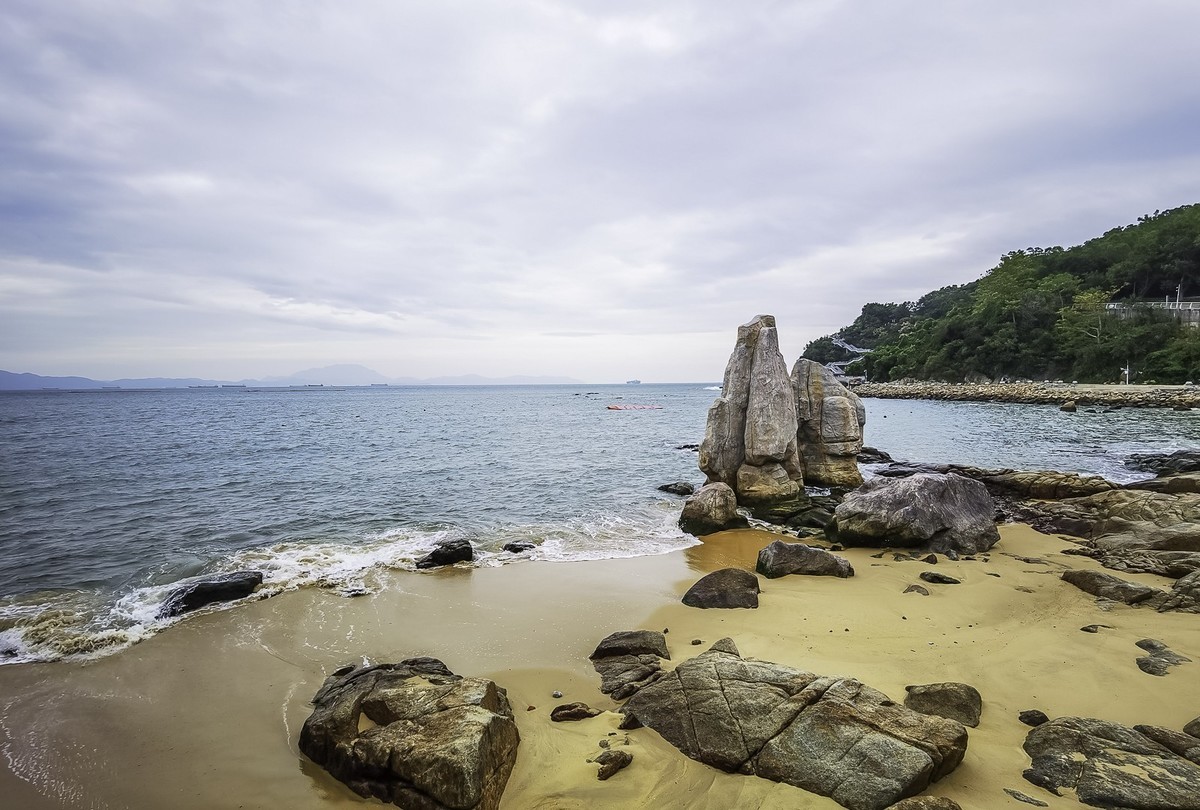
(207, 714)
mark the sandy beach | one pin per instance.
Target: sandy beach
(207, 714)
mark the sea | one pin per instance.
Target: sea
(110, 499)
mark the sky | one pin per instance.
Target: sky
(599, 189)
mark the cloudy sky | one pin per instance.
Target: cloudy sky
(601, 189)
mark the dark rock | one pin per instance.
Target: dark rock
(812, 518)
(925, 803)
(1160, 659)
(210, 590)
(712, 509)
(1184, 596)
(954, 701)
(1033, 717)
(1068, 407)
(1110, 765)
(687, 447)
(1193, 728)
(780, 559)
(448, 552)
(917, 589)
(519, 546)
(1170, 484)
(612, 761)
(872, 455)
(678, 488)
(1106, 586)
(833, 736)
(1181, 461)
(1095, 628)
(938, 578)
(1177, 742)
(628, 660)
(930, 558)
(726, 588)
(631, 642)
(414, 734)
(572, 711)
(1016, 794)
(930, 512)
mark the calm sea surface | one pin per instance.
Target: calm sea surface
(108, 498)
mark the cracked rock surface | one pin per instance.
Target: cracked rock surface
(832, 736)
(1110, 765)
(414, 734)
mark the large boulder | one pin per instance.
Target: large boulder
(831, 419)
(1110, 765)
(726, 588)
(210, 590)
(832, 736)
(712, 509)
(414, 734)
(750, 438)
(939, 513)
(780, 559)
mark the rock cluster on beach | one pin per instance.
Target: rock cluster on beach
(770, 433)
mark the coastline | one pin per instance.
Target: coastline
(207, 713)
(1129, 396)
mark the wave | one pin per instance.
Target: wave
(83, 625)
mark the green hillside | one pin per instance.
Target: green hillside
(1043, 313)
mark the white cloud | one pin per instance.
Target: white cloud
(549, 187)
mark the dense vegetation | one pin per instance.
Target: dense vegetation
(1043, 313)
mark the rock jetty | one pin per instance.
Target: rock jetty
(1132, 396)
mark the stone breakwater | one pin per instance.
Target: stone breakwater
(1134, 396)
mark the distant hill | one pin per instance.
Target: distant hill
(1083, 313)
(348, 375)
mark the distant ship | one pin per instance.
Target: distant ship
(203, 386)
(233, 386)
(633, 382)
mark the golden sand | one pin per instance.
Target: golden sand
(207, 714)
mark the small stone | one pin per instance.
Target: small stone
(696, 642)
(603, 743)
(612, 761)
(572, 711)
(1021, 797)
(930, 558)
(1033, 717)
(917, 589)
(939, 578)
(1095, 628)
(556, 694)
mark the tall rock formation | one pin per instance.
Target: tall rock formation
(750, 440)
(831, 419)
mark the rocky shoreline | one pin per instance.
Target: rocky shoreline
(1117, 396)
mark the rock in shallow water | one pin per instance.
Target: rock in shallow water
(448, 552)
(210, 590)
(833, 736)
(712, 509)
(414, 734)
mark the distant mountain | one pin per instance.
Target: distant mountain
(345, 374)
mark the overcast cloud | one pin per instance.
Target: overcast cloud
(596, 189)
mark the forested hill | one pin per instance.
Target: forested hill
(1043, 313)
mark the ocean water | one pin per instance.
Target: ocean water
(109, 499)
